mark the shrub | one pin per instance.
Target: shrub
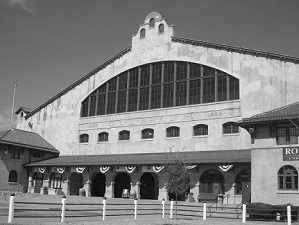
(269, 212)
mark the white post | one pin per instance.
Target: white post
(63, 202)
(244, 213)
(289, 219)
(163, 208)
(204, 215)
(135, 209)
(11, 208)
(104, 208)
(171, 209)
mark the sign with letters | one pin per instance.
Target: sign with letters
(290, 153)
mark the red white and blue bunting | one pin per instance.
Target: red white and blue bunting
(104, 169)
(190, 167)
(130, 169)
(60, 169)
(225, 168)
(158, 169)
(80, 169)
(42, 169)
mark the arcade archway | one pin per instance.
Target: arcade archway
(212, 181)
(76, 180)
(122, 181)
(148, 186)
(98, 186)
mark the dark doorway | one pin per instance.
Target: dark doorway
(212, 181)
(76, 180)
(38, 179)
(98, 187)
(122, 181)
(147, 188)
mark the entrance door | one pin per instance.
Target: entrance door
(122, 181)
(98, 187)
(76, 183)
(38, 179)
(246, 187)
(147, 188)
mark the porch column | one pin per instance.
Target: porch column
(29, 184)
(138, 190)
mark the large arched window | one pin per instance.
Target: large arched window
(172, 132)
(124, 135)
(230, 128)
(144, 88)
(103, 136)
(142, 33)
(287, 178)
(200, 130)
(13, 176)
(84, 138)
(147, 134)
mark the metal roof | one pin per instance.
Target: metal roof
(26, 139)
(195, 157)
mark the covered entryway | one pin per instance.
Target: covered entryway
(147, 187)
(76, 180)
(38, 179)
(122, 181)
(98, 185)
(212, 181)
(243, 185)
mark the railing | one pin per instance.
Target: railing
(129, 209)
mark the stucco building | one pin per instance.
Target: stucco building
(115, 126)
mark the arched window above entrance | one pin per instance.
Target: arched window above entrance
(124, 135)
(200, 130)
(230, 128)
(287, 178)
(103, 137)
(172, 132)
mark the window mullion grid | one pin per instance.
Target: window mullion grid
(127, 90)
(116, 94)
(138, 88)
(106, 100)
(201, 84)
(188, 84)
(89, 105)
(150, 86)
(227, 88)
(174, 83)
(216, 87)
(162, 86)
(97, 99)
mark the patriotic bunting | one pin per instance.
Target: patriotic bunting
(104, 169)
(190, 167)
(225, 168)
(80, 169)
(42, 169)
(130, 169)
(157, 169)
(60, 169)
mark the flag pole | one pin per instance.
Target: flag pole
(13, 103)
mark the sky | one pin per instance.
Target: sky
(50, 44)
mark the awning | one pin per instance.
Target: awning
(195, 157)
